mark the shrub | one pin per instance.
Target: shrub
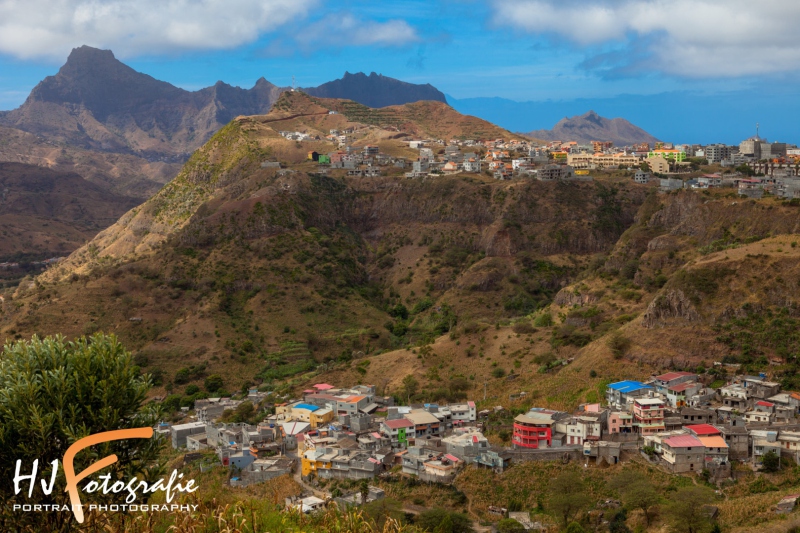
(523, 328)
(213, 383)
(498, 372)
(618, 344)
(544, 320)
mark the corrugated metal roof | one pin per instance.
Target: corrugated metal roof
(399, 423)
(683, 441)
(713, 442)
(628, 386)
(703, 429)
(669, 376)
(452, 458)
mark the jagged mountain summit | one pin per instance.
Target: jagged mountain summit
(592, 127)
(95, 101)
(376, 90)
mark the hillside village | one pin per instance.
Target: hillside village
(677, 421)
(752, 168)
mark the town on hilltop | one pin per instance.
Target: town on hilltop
(754, 167)
(679, 422)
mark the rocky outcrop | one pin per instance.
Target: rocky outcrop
(568, 297)
(671, 304)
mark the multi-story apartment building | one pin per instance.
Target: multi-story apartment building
(648, 415)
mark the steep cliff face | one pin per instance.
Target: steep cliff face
(692, 265)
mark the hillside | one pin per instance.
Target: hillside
(260, 274)
(592, 127)
(123, 174)
(697, 279)
(276, 271)
(46, 213)
(376, 90)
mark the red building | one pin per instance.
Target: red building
(534, 429)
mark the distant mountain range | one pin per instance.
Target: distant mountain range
(97, 102)
(376, 90)
(592, 127)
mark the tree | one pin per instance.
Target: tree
(575, 527)
(637, 493)
(192, 390)
(770, 461)
(568, 496)
(213, 383)
(382, 510)
(410, 386)
(52, 394)
(364, 490)
(685, 510)
(509, 525)
(442, 521)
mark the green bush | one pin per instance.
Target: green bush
(213, 383)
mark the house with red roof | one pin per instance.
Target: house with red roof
(665, 381)
(683, 453)
(397, 431)
(677, 395)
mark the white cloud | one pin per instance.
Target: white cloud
(342, 29)
(693, 38)
(47, 28)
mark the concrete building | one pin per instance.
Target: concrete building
(397, 431)
(620, 422)
(772, 150)
(535, 428)
(648, 415)
(664, 381)
(620, 395)
(180, 432)
(737, 439)
(716, 153)
(467, 444)
(683, 453)
(751, 147)
(465, 412)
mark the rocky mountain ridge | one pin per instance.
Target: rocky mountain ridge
(592, 127)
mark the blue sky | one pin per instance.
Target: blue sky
(686, 70)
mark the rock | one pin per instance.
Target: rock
(569, 298)
(671, 304)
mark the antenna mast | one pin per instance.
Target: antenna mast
(294, 83)
(757, 126)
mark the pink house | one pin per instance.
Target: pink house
(620, 422)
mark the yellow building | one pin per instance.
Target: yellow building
(658, 164)
(321, 417)
(316, 459)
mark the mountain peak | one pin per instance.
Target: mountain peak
(592, 127)
(85, 52)
(376, 90)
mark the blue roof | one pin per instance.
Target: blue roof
(628, 386)
(307, 406)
